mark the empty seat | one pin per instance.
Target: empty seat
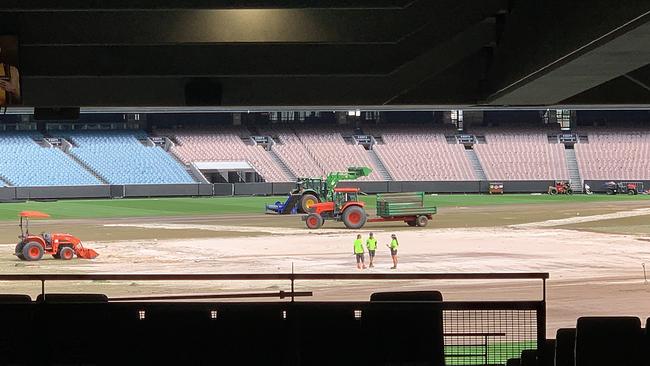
(608, 341)
(529, 357)
(565, 343)
(513, 362)
(329, 334)
(77, 324)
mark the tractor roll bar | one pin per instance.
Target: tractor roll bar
(277, 276)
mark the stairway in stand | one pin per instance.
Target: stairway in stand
(479, 173)
(574, 171)
(282, 165)
(381, 168)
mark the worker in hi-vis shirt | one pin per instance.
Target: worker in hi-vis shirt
(371, 244)
(358, 252)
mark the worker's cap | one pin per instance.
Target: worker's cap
(393, 236)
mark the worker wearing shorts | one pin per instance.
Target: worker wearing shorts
(371, 244)
(358, 252)
(394, 244)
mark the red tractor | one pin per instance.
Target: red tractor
(560, 188)
(60, 246)
(345, 207)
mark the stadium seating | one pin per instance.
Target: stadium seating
(224, 144)
(24, 163)
(608, 341)
(614, 154)
(311, 151)
(417, 153)
(521, 155)
(120, 158)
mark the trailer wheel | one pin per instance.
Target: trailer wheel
(306, 201)
(32, 251)
(314, 221)
(610, 191)
(631, 192)
(19, 251)
(569, 191)
(66, 253)
(421, 221)
(354, 217)
(410, 223)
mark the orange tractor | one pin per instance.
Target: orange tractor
(60, 246)
(345, 207)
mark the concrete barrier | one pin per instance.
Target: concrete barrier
(255, 189)
(97, 191)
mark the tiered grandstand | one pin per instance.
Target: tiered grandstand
(224, 144)
(417, 153)
(521, 155)
(614, 154)
(23, 162)
(118, 157)
(316, 151)
(283, 152)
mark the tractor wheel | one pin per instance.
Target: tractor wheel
(552, 190)
(610, 191)
(569, 191)
(631, 192)
(306, 201)
(354, 217)
(66, 253)
(314, 221)
(32, 251)
(410, 223)
(19, 250)
(421, 221)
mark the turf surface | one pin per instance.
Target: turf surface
(155, 207)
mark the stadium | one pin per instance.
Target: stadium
(200, 183)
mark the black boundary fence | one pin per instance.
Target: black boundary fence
(259, 189)
(467, 332)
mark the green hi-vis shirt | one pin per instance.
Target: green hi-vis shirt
(371, 243)
(358, 246)
(393, 244)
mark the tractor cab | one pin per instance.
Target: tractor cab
(342, 196)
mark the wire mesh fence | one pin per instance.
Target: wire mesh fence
(488, 336)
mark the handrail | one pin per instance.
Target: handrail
(272, 276)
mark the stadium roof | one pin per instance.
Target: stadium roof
(331, 52)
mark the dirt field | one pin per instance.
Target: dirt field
(593, 251)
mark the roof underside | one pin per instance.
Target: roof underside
(322, 53)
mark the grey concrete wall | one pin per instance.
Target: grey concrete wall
(253, 189)
(98, 191)
(117, 191)
(222, 189)
(160, 190)
(282, 188)
(205, 189)
(7, 193)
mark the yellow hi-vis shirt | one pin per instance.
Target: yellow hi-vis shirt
(371, 243)
(393, 244)
(358, 246)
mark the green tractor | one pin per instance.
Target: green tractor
(314, 190)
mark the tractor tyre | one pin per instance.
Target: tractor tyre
(421, 221)
(569, 191)
(66, 253)
(610, 191)
(306, 201)
(19, 251)
(631, 192)
(314, 221)
(354, 217)
(410, 223)
(552, 190)
(33, 251)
